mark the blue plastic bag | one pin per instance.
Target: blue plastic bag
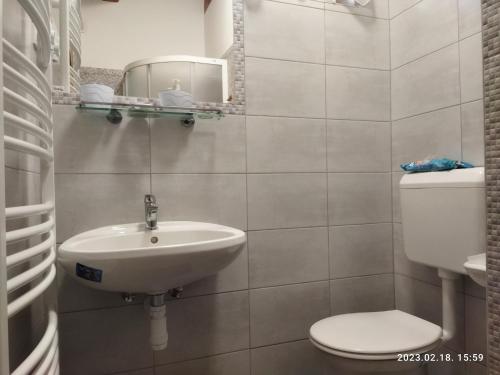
(434, 165)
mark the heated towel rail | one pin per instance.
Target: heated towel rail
(26, 107)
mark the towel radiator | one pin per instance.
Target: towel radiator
(29, 111)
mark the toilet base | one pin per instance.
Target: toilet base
(346, 366)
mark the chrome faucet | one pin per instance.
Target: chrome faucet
(151, 211)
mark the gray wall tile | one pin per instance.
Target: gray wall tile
(367, 45)
(285, 313)
(429, 83)
(358, 250)
(357, 94)
(398, 6)
(359, 198)
(362, 294)
(95, 342)
(286, 200)
(299, 36)
(376, 8)
(426, 27)
(211, 146)
(204, 326)
(216, 198)
(475, 326)
(471, 68)
(359, 146)
(89, 201)
(476, 369)
(469, 17)
(396, 199)
(86, 143)
(431, 135)
(278, 144)
(473, 132)
(237, 363)
(284, 88)
(294, 358)
(279, 257)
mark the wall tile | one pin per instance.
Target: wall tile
(359, 198)
(319, 4)
(471, 68)
(376, 8)
(232, 278)
(357, 94)
(367, 45)
(473, 132)
(86, 143)
(204, 326)
(284, 88)
(299, 36)
(279, 257)
(211, 146)
(89, 201)
(21, 188)
(429, 83)
(431, 135)
(294, 358)
(446, 368)
(146, 371)
(362, 294)
(73, 296)
(475, 326)
(360, 250)
(286, 200)
(398, 6)
(476, 369)
(404, 266)
(469, 17)
(20, 160)
(425, 300)
(285, 313)
(426, 27)
(277, 144)
(215, 198)
(237, 363)
(396, 199)
(95, 342)
(359, 146)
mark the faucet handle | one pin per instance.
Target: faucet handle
(149, 198)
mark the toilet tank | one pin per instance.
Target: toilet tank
(444, 217)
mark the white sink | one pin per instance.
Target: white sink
(129, 258)
(476, 268)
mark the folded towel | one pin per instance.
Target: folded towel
(434, 165)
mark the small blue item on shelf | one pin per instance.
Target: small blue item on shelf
(435, 165)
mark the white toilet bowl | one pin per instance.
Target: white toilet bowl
(370, 343)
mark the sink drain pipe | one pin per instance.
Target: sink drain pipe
(158, 322)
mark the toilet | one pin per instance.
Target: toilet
(444, 222)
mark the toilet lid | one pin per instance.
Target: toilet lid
(375, 333)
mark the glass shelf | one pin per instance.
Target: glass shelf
(114, 112)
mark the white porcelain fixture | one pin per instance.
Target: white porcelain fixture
(476, 268)
(150, 258)
(443, 216)
(93, 92)
(129, 258)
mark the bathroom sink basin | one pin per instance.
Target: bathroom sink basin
(476, 268)
(129, 258)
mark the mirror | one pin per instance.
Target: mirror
(142, 48)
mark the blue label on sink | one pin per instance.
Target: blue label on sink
(88, 273)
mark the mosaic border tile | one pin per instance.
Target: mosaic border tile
(236, 107)
(491, 56)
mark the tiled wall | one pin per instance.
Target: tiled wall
(307, 173)
(310, 173)
(437, 110)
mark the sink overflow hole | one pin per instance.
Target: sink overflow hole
(154, 239)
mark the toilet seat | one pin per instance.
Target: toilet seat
(376, 335)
